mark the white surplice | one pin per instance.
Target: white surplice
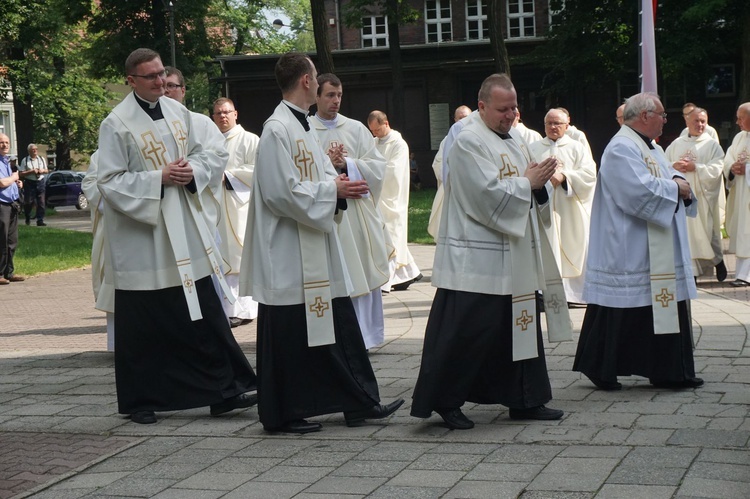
(529, 135)
(710, 131)
(627, 198)
(704, 230)
(571, 209)
(394, 206)
(242, 146)
(437, 204)
(738, 204)
(362, 232)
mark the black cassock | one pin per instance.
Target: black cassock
(621, 342)
(166, 362)
(296, 381)
(468, 356)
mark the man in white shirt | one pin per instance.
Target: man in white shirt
(394, 200)
(235, 202)
(174, 349)
(701, 160)
(32, 171)
(737, 176)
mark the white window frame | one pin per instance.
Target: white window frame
(480, 19)
(523, 18)
(371, 40)
(443, 25)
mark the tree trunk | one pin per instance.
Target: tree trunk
(394, 47)
(62, 145)
(320, 30)
(499, 52)
(744, 77)
(21, 104)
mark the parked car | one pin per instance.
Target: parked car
(64, 189)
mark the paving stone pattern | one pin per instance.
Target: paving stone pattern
(56, 381)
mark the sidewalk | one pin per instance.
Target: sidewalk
(61, 436)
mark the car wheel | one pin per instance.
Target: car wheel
(82, 203)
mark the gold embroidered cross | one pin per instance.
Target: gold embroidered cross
(524, 320)
(319, 307)
(664, 297)
(304, 160)
(180, 135)
(653, 167)
(554, 303)
(508, 169)
(153, 150)
(188, 283)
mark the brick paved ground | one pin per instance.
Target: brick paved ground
(56, 379)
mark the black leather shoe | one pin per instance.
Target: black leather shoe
(739, 283)
(405, 285)
(41, 224)
(235, 322)
(539, 412)
(143, 417)
(241, 401)
(300, 426)
(676, 385)
(377, 412)
(606, 385)
(455, 419)
(721, 271)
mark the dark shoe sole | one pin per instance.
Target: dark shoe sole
(143, 417)
(359, 419)
(232, 404)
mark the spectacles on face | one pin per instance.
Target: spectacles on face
(173, 86)
(555, 123)
(663, 115)
(152, 76)
(224, 113)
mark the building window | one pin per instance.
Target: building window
(375, 31)
(521, 19)
(437, 14)
(555, 13)
(477, 27)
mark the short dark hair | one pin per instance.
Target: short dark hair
(139, 56)
(171, 70)
(290, 68)
(501, 80)
(328, 78)
(223, 100)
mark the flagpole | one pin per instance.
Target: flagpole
(647, 46)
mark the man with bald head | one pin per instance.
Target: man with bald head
(483, 339)
(638, 272)
(573, 192)
(736, 173)
(618, 114)
(701, 160)
(437, 167)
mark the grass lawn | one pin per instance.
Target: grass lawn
(420, 203)
(48, 249)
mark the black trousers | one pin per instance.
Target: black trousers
(33, 192)
(8, 237)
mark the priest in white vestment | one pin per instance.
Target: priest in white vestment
(701, 160)
(104, 292)
(638, 272)
(483, 341)
(362, 231)
(529, 135)
(687, 109)
(394, 200)
(174, 349)
(737, 176)
(433, 225)
(572, 196)
(235, 202)
(311, 355)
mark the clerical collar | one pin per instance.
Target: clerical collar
(504, 136)
(648, 141)
(153, 109)
(329, 124)
(299, 113)
(228, 132)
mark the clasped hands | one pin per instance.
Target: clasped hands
(350, 189)
(738, 167)
(178, 172)
(539, 173)
(684, 165)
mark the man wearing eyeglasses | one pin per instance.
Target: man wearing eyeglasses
(235, 203)
(174, 349)
(638, 273)
(573, 192)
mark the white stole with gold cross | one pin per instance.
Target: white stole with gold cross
(316, 283)
(661, 253)
(155, 155)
